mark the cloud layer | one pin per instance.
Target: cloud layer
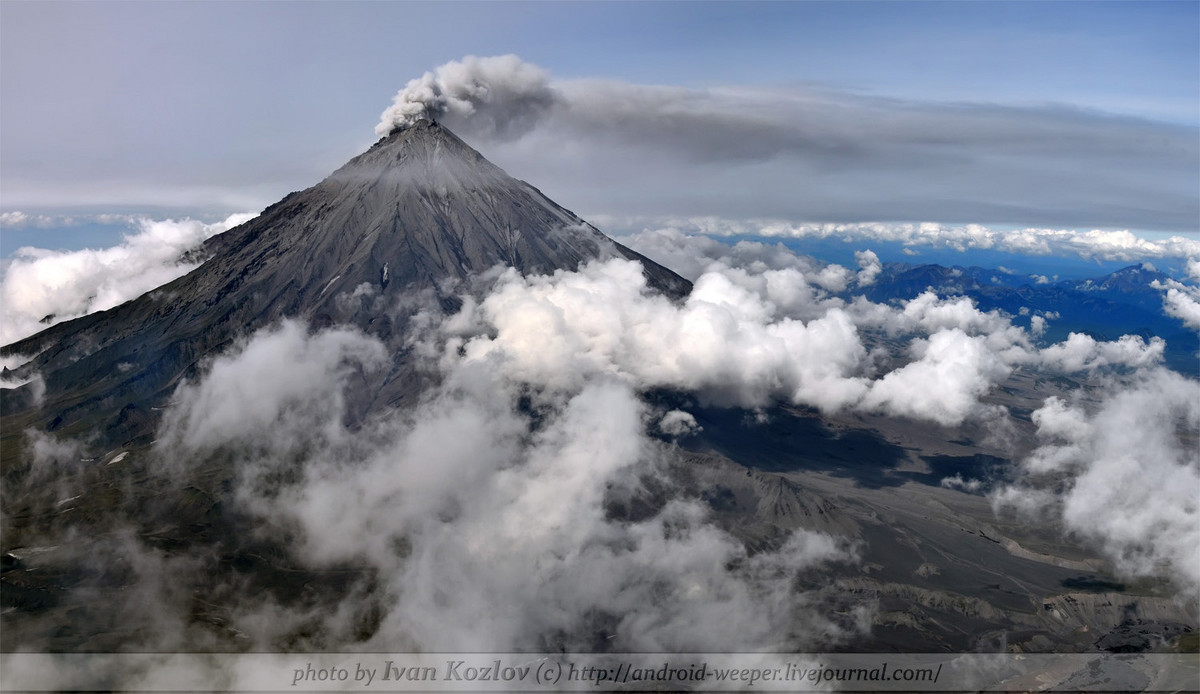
(756, 329)
(822, 155)
(746, 337)
(1183, 300)
(486, 532)
(1123, 474)
(41, 287)
(487, 511)
(1095, 244)
(497, 514)
(785, 152)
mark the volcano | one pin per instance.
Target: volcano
(416, 214)
(107, 528)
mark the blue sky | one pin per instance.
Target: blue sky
(209, 108)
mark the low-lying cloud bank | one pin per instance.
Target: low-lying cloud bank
(527, 502)
(487, 522)
(760, 327)
(41, 287)
(16, 219)
(815, 154)
(37, 283)
(1123, 475)
(1096, 244)
(487, 512)
(749, 337)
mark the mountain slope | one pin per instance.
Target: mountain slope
(416, 212)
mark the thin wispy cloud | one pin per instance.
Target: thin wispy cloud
(799, 154)
(1094, 244)
(818, 155)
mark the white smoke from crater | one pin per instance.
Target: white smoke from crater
(793, 154)
(495, 97)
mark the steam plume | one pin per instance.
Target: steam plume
(500, 97)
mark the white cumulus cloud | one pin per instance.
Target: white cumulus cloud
(487, 533)
(1123, 475)
(41, 287)
(1180, 299)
